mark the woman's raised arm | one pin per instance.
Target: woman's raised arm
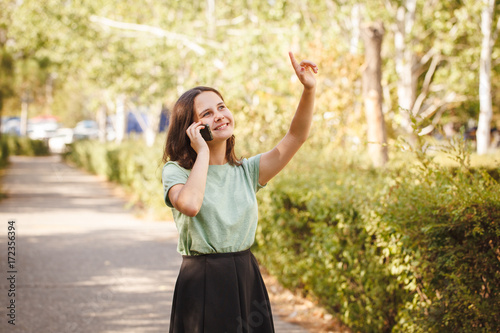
(273, 161)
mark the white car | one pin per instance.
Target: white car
(86, 129)
(59, 141)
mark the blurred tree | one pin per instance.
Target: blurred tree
(405, 58)
(6, 59)
(150, 52)
(485, 103)
(30, 80)
(425, 34)
(373, 35)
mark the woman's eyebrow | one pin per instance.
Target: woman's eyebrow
(208, 109)
(203, 111)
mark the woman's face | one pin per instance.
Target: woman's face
(210, 109)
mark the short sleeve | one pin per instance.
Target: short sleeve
(253, 167)
(172, 174)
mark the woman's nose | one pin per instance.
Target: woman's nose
(218, 116)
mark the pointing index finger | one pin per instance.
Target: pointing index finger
(295, 64)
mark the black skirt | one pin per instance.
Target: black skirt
(221, 293)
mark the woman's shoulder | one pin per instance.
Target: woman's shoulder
(251, 164)
(251, 160)
(173, 167)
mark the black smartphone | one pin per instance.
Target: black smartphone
(206, 133)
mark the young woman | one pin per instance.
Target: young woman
(212, 195)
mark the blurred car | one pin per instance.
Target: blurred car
(86, 129)
(59, 142)
(11, 125)
(42, 127)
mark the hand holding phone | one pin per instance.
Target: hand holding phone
(206, 133)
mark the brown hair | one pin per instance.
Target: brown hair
(178, 145)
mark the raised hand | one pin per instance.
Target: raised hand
(304, 71)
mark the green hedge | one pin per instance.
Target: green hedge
(132, 164)
(25, 146)
(4, 153)
(14, 145)
(414, 248)
(449, 229)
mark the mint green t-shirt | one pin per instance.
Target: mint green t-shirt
(227, 220)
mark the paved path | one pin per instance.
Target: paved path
(83, 262)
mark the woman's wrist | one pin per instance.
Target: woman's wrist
(203, 155)
(310, 90)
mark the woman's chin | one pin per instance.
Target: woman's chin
(222, 135)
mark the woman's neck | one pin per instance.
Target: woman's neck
(218, 154)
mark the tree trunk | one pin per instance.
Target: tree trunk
(154, 123)
(1, 112)
(101, 123)
(25, 100)
(405, 60)
(485, 107)
(49, 93)
(120, 118)
(355, 28)
(373, 35)
(149, 127)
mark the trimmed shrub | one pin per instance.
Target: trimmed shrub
(14, 145)
(321, 237)
(448, 227)
(25, 146)
(414, 248)
(4, 153)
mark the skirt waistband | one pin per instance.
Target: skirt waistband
(217, 255)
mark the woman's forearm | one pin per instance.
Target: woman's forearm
(190, 197)
(302, 120)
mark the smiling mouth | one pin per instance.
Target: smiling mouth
(221, 127)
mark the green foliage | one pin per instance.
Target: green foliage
(89, 52)
(447, 222)
(15, 145)
(4, 153)
(412, 248)
(132, 165)
(318, 234)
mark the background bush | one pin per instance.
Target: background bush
(414, 247)
(4, 153)
(411, 248)
(16, 145)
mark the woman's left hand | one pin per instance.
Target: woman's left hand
(304, 71)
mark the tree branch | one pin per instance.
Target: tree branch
(440, 108)
(429, 128)
(436, 59)
(158, 32)
(448, 99)
(426, 57)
